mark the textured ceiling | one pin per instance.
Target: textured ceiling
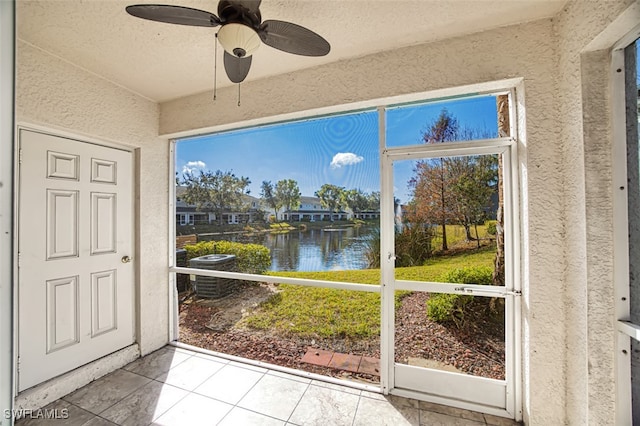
(163, 61)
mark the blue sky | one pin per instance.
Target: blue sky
(341, 150)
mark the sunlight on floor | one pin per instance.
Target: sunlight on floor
(175, 386)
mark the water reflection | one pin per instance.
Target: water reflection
(314, 249)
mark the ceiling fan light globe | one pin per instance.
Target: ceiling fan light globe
(238, 38)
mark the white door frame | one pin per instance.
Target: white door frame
(625, 329)
(7, 126)
(56, 132)
(511, 291)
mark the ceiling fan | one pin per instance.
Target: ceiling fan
(241, 31)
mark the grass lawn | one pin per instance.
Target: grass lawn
(456, 235)
(323, 312)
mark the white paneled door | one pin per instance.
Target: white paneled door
(75, 292)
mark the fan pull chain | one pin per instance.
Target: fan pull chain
(238, 94)
(215, 67)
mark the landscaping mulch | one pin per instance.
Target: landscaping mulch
(477, 348)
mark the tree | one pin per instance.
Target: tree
(216, 191)
(373, 201)
(330, 197)
(267, 193)
(432, 198)
(356, 200)
(474, 181)
(288, 194)
(452, 189)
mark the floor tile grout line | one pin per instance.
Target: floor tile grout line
(212, 358)
(250, 389)
(256, 383)
(153, 419)
(135, 390)
(188, 390)
(324, 385)
(118, 401)
(216, 399)
(103, 418)
(138, 388)
(249, 410)
(355, 413)
(195, 390)
(153, 378)
(297, 403)
(77, 406)
(225, 416)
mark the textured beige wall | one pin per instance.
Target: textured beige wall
(585, 136)
(527, 51)
(55, 94)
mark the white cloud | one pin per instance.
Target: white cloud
(345, 159)
(193, 166)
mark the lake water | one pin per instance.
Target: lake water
(314, 249)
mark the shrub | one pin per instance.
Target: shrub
(200, 249)
(491, 227)
(413, 246)
(251, 258)
(471, 275)
(443, 307)
(372, 254)
(454, 307)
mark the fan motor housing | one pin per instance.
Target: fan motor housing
(232, 12)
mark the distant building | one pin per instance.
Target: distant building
(255, 210)
(311, 210)
(187, 214)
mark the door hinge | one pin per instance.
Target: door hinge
(18, 364)
(20, 156)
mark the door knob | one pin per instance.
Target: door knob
(126, 259)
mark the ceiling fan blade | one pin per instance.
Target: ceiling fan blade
(173, 14)
(236, 68)
(293, 38)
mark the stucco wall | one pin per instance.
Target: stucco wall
(527, 51)
(585, 135)
(53, 93)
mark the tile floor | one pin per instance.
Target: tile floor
(174, 386)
